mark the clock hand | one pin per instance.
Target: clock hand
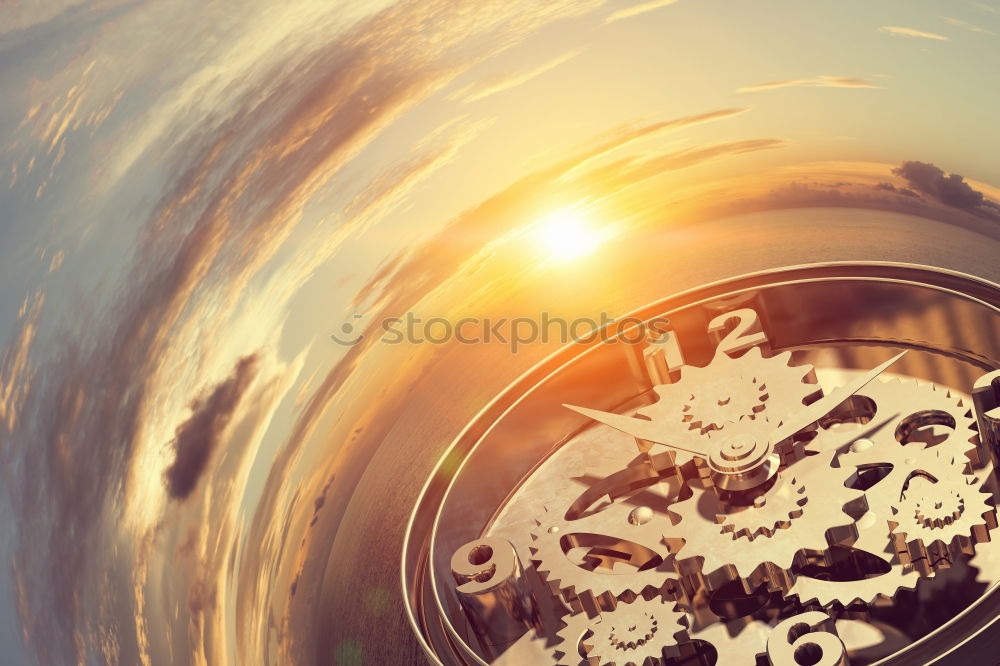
(638, 428)
(648, 430)
(828, 403)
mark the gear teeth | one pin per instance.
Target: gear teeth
(814, 514)
(931, 546)
(826, 593)
(727, 551)
(584, 589)
(774, 522)
(717, 405)
(903, 575)
(919, 537)
(636, 633)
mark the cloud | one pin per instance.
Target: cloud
(420, 273)
(630, 171)
(57, 261)
(949, 189)
(911, 32)
(863, 185)
(397, 181)
(889, 187)
(968, 26)
(413, 273)
(15, 365)
(22, 16)
(636, 10)
(822, 81)
(624, 136)
(198, 437)
(479, 91)
(320, 501)
(982, 6)
(220, 250)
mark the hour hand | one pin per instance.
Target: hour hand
(636, 427)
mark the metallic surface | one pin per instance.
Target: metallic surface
(493, 592)
(812, 634)
(633, 634)
(893, 293)
(986, 396)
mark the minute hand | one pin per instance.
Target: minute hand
(639, 428)
(824, 406)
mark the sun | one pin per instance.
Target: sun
(565, 234)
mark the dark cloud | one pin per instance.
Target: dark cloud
(808, 188)
(889, 187)
(320, 501)
(824, 195)
(201, 596)
(200, 435)
(949, 189)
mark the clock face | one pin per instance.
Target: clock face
(791, 467)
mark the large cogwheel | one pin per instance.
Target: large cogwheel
(758, 543)
(924, 505)
(927, 493)
(631, 540)
(641, 633)
(887, 585)
(728, 391)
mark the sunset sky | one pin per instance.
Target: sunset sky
(195, 195)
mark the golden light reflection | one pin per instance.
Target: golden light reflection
(567, 234)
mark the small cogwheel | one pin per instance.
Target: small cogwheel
(727, 393)
(641, 633)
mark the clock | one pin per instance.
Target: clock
(791, 466)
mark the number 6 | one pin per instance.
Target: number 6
(796, 641)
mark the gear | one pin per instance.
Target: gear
(873, 477)
(934, 526)
(826, 592)
(933, 514)
(640, 633)
(743, 390)
(897, 445)
(717, 403)
(759, 543)
(987, 557)
(625, 554)
(770, 512)
(903, 503)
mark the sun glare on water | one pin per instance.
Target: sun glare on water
(565, 235)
